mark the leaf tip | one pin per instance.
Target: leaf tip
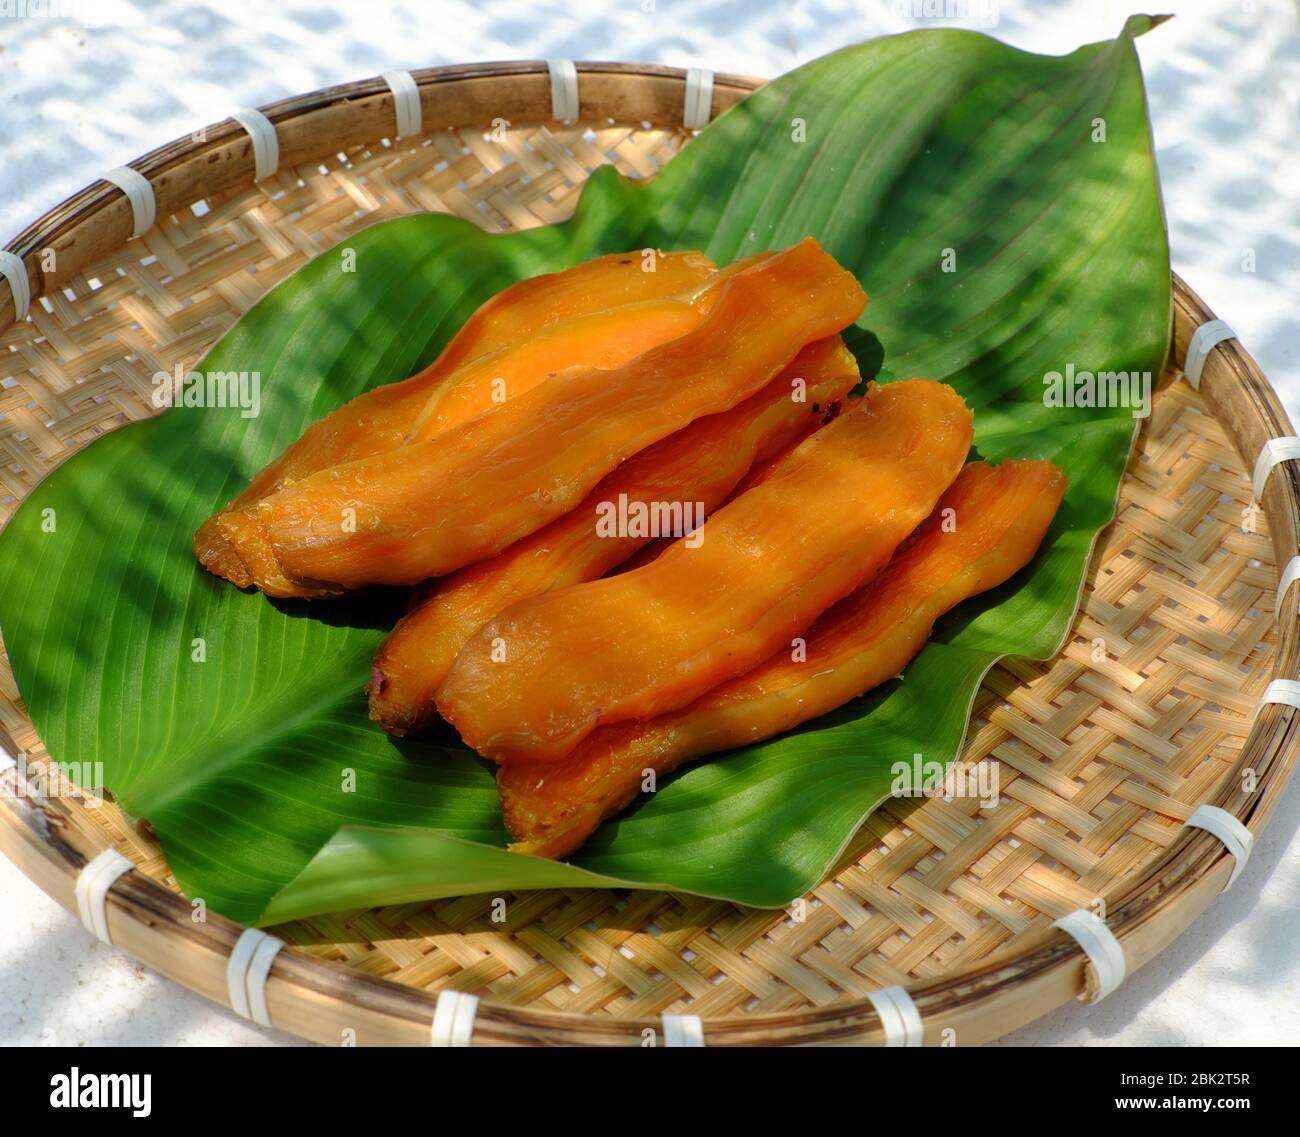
(1138, 24)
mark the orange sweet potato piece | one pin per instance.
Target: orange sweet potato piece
(642, 643)
(758, 472)
(602, 340)
(698, 465)
(866, 639)
(605, 339)
(434, 506)
(381, 419)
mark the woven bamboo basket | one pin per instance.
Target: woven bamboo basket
(1102, 763)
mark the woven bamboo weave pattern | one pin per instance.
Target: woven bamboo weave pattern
(1101, 754)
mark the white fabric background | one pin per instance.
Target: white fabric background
(79, 96)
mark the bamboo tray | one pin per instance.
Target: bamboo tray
(1101, 763)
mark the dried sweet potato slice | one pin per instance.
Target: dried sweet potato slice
(605, 339)
(434, 506)
(866, 639)
(536, 680)
(699, 465)
(760, 471)
(381, 419)
(602, 340)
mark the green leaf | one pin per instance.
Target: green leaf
(904, 156)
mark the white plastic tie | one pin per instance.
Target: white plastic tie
(564, 89)
(1290, 575)
(453, 1019)
(899, 1016)
(406, 102)
(1275, 452)
(1236, 838)
(144, 206)
(1204, 340)
(15, 272)
(93, 882)
(683, 1030)
(1284, 691)
(699, 99)
(1100, 946)
(266, 143)
(246, 972)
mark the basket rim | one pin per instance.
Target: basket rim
(1186, 870)
(213, 140)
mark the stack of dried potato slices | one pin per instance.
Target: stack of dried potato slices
(661, 387)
